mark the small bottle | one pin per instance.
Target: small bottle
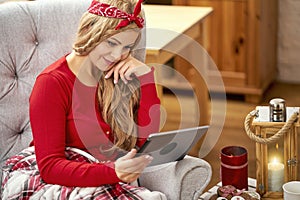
(277, 110)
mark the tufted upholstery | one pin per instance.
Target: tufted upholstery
(31, 39)
(34, 34)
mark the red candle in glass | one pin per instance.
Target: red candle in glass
(234, 167)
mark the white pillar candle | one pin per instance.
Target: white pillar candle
(275, 176)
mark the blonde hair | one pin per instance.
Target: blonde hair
(94, 29)
(117, 102)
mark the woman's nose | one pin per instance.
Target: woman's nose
(116, 53)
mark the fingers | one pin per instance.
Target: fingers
(120, 70)
(131, 174)
(129, 178)
(129, 167)
(129, 155)
(132, 177)
(137, 165)
(131, 164)
(109, 73)
(128, 74)
(125, 68)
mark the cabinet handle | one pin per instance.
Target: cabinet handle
(241, 40)
(237, 48)
(238, 45)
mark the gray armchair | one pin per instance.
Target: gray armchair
(33, 34)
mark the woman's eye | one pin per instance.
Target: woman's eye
(110, 43)
(128, 48)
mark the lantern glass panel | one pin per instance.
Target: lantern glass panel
(297, 161)
(276, 166)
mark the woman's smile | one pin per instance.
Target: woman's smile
(109, 63)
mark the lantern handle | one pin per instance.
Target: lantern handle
(274, 137)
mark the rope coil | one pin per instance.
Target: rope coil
(274, 137)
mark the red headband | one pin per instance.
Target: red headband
(107, 10)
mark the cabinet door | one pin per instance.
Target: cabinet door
(227, 37)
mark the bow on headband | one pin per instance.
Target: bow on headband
(107, 10)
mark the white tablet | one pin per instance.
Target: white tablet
(171, 146)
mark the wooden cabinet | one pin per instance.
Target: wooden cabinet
(242, 42)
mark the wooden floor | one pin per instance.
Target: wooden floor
(233, 131)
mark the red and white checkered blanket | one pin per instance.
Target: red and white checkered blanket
(22, 181)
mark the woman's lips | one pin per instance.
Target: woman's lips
(109, 63)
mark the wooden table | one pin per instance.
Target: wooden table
(165, 24)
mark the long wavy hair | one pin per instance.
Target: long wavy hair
(118, 103)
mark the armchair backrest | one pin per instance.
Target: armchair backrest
(33, 34)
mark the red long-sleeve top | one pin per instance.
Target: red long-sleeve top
(64, 113)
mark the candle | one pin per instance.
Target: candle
(234, 167)
(275, 175)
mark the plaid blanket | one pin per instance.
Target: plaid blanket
(22, 181)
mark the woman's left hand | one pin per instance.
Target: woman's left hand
(125, 68)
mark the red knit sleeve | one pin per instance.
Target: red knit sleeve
(149, 110)
(49, 103)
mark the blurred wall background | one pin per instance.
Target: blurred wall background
(289, 41)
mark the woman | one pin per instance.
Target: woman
(97, 100)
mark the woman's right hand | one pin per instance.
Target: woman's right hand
(128, 168)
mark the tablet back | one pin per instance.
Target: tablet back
(171, 146)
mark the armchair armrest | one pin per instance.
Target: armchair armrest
(185, 179)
